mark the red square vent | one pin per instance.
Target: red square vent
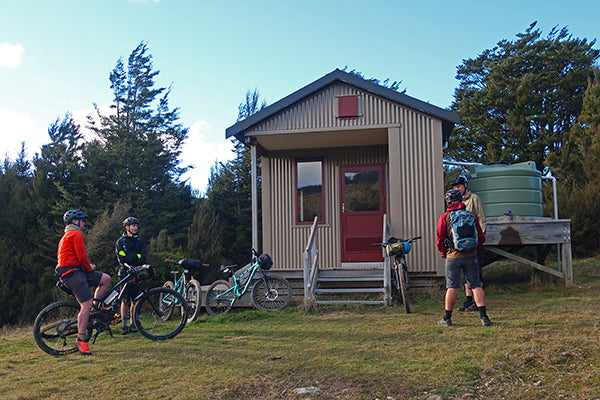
(348, 106)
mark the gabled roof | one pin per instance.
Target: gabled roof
(448, 117)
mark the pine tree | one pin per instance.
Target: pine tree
(517, 100)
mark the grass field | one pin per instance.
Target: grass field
(544, 344)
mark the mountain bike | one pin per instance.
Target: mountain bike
(55, 327)
(189, 288)
(397, 249)
(269, 293)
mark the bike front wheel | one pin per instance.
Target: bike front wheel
(271, 293)
(193, 295)
(55, 328)
(219, 299)
(403, 272)
(153, 314)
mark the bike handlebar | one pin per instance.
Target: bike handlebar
(393, 240)
(188, 263)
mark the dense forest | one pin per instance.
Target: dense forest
(532, 98)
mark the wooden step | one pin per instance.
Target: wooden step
(349, 290)
(338, 302)
(351, 279)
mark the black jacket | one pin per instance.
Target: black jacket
(131, 250)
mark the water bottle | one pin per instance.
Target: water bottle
(111, 297)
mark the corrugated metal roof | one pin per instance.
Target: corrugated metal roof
(448, 117)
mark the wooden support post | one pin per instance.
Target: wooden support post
(567, 264)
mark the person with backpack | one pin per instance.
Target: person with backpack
(474, 204)
(131, 250)
(458, 237)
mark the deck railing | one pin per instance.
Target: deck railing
(311, 265)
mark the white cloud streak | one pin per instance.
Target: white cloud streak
(11, 55)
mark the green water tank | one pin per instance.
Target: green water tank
(505, 188)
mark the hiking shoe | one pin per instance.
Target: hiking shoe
(466, 305)
(485, 321)
(472, 307)
(125, 330)
(132, 329)
(445, 322)
(83, 347)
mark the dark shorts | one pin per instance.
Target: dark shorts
(469, 266)
(130, 291)
(80, 281)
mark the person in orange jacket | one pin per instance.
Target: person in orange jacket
(77, 274)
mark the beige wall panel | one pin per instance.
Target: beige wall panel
(416, 180)
(282, 237)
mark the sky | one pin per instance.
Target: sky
(56, 56)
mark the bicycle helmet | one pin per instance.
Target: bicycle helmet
(265, 262)
(453, 195)
(73, 214)
(458, 180)
(130, 220)
(226, 271)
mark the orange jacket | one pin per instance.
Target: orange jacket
(71, 251)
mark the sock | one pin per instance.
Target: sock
(469, 299)
(447, 315)
(482, 312)
(125, 321)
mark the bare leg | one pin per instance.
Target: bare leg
(450, 300)
(83, 317)
(468, 292)
(479, 296)
(103, 286)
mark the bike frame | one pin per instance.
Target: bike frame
(128, 279)
(239, 290)
(180, 285)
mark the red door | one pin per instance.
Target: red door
(362, 208)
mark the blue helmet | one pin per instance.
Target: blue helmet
(73, 214)
(458, 180)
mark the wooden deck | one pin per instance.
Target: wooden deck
(506, 234)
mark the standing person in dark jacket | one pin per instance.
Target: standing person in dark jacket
(459, 261)
(131, 250)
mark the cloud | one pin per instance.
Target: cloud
(11, 55)
(16, 128)
(201, 150)
(80, 117)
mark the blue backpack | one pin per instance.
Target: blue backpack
(463, 230)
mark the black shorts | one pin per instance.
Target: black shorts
(130, 291)
(80, 281)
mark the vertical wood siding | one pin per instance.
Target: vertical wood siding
(318, 112)
(417, 180)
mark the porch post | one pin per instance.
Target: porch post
(254, 195)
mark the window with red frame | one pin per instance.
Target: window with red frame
(309, 190)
